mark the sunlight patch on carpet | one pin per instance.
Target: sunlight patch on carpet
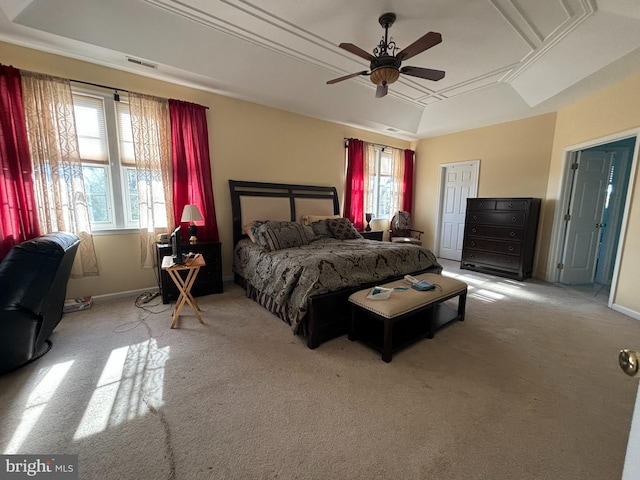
(37, 402)
(132, 378)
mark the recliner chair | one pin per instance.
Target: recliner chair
(33, 286)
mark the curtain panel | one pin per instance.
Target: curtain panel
(151, 131)
(57, 169)
(355, 183)
(18, 211)
(407, 182)
(192, 184)
(397, 173)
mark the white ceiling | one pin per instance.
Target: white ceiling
(504, 59)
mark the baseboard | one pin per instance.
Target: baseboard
(135, 293)
(626, 311)
(127, 294)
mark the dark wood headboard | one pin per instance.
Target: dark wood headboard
(280, 201)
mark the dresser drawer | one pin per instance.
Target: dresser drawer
(489, 231)
(496, 246)
(497, 218)
(481, 204)
(476, 258)
(522, 205)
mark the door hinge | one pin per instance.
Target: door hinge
(560, 266)
(567, 217)
(574, 166)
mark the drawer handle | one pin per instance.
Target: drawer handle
(475, 217)
(511, 248)
(513, 219)
(511, 205)
(481, 205)
(474, 230)
(473, 244)
(471, 255)
(512, 234)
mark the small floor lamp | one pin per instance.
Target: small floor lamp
(191, 213)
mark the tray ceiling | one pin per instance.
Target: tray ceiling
(504, 59)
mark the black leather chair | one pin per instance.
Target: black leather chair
(33, 286)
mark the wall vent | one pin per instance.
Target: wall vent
(392, 129)
(142, 63)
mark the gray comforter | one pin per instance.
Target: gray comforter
(283, 280)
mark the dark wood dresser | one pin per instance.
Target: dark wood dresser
(500, 236)
(209, 279)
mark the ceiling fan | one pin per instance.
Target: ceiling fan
(386, 64)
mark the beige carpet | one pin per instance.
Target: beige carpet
(528, 387)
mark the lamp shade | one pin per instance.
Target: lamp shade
(384, 75)
(191, 213)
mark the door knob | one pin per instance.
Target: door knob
(628, 360)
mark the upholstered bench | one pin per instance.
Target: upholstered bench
(407, 315)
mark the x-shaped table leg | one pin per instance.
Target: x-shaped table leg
(184, 287)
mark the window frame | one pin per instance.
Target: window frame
(116, 172)
(375, 180)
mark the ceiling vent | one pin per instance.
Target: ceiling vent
(389, 129)
(142, 63)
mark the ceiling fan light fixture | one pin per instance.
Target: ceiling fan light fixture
(384, 75)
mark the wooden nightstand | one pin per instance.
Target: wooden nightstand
(209, 279)
(373, 235)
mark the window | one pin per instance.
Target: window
(105, 142)
(382, 184)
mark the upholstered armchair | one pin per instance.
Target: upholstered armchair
(33, 286)
(401, 231)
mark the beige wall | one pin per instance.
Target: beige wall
(610, 111)
(252, 142)
(514, 162)
(247, 142)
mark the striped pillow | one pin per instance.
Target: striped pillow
(285, 237)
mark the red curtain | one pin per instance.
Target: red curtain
(191, 166)
(18, 215)
(407, 181)
(354, 188)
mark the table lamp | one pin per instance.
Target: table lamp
(368, 217)
(191, 213)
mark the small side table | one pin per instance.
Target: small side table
(372, 235)
(192, 267)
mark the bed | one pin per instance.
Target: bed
(306, 282)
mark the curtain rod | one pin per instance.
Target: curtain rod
(346, 142)
(116, 97)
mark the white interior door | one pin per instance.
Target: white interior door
(632, 459)
(585, 224)
(612, 218)
(459, 182)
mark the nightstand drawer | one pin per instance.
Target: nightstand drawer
(372, 235)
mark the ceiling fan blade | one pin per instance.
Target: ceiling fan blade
(382, 90)
(346, 77)
(423, 43)
(350, 47)
(420, 72)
